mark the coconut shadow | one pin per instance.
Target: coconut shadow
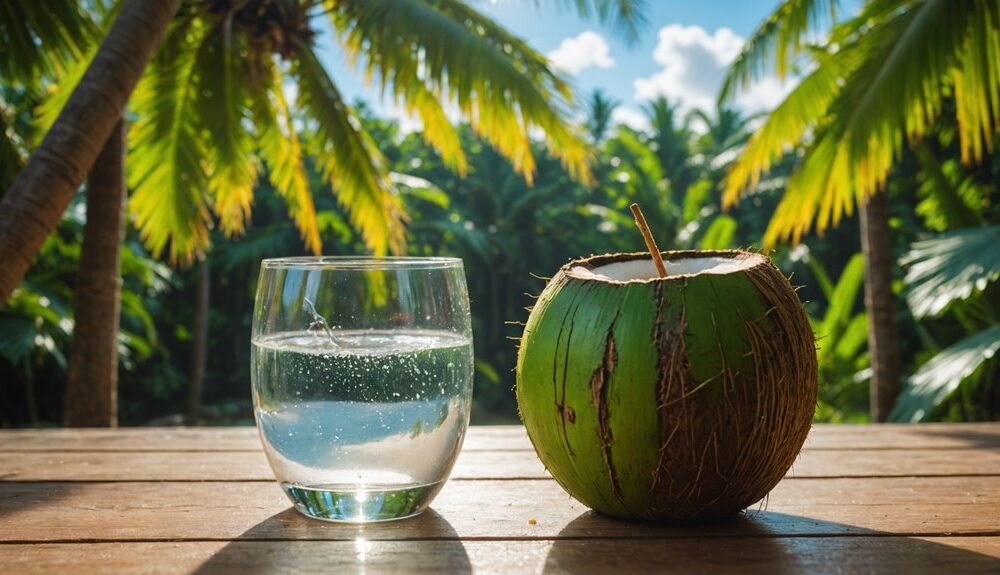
(751, 542)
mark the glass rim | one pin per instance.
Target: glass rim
(361, 262)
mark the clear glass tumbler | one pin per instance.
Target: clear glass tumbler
(362, 381)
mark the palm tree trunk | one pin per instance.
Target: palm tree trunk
(33, 204)
(199, 355)
(92, 382)
(883, 339)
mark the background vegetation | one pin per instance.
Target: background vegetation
(471, 198)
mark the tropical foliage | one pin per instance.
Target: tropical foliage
(232, 147)
(213, 112)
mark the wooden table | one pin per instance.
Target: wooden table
(893, 499)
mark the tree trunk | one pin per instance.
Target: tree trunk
(199, 354)
(883, 340)
(33, 204)
(92, 382)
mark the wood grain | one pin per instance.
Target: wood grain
(889, 555)
(879, 499)
(478, 509)
(252, 465)
(480, 438)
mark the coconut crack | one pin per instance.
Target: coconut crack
(599, 383)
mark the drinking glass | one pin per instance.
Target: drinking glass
(362, 381)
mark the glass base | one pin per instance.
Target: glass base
(361, 503)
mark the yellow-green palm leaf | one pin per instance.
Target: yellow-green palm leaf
(347, 158)
(222, 112)
(167, 155)
(498, 83)
(281, 150)
(880, 90)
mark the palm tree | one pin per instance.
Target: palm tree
(877, 83)
(222, 69)
(92, 379)
(35, 201)
(43, 39)
(670, 140)
(225, 64)
(600, 109)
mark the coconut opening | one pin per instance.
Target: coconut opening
(643, 268)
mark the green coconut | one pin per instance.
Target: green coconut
(678, 398)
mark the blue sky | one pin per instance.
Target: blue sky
(681, 53)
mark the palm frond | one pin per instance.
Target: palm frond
(58, 93)
(12, 149)
(840, 312)
(777, 42)
(951, 267)
(628, 16)
(787, 125)
(166, 153)
(940, 377)
(496, 81)
(281, 150)
(719, 235)
(221, 110)
(892, 97)
(347, 157)
(40, 37)
(976, 76)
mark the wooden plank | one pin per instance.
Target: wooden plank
(252, 466)
(905, 436)
(208, 439)
(480, 438)
(889, 555)
(476, 509)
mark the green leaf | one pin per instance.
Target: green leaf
(840, 312)
(282, 152)
(39, 38)
(776, 42)
(951, 267)
(348, 159)
(444, 50)
(895, 64)
(720, 233)
(940, 377)
(167, 154)
(221, 109)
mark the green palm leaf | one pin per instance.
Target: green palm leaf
(625, 15)
(40, 37)
(347, 157)
(281, 149)
(839, 315)
(719, 234)
(787, 125)
(221, 110)
(900, 58)
(937, 379)
(776, 42)
(11, 149)
(497, 82)
(951, 267)
(166, 153)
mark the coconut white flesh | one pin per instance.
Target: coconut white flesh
(644, 269)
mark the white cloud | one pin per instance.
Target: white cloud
(586, 50)
(694, 66)
(630, 117)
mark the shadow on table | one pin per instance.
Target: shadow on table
(975, 437)
(17, 496)
(756, 542)
(290, 542)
